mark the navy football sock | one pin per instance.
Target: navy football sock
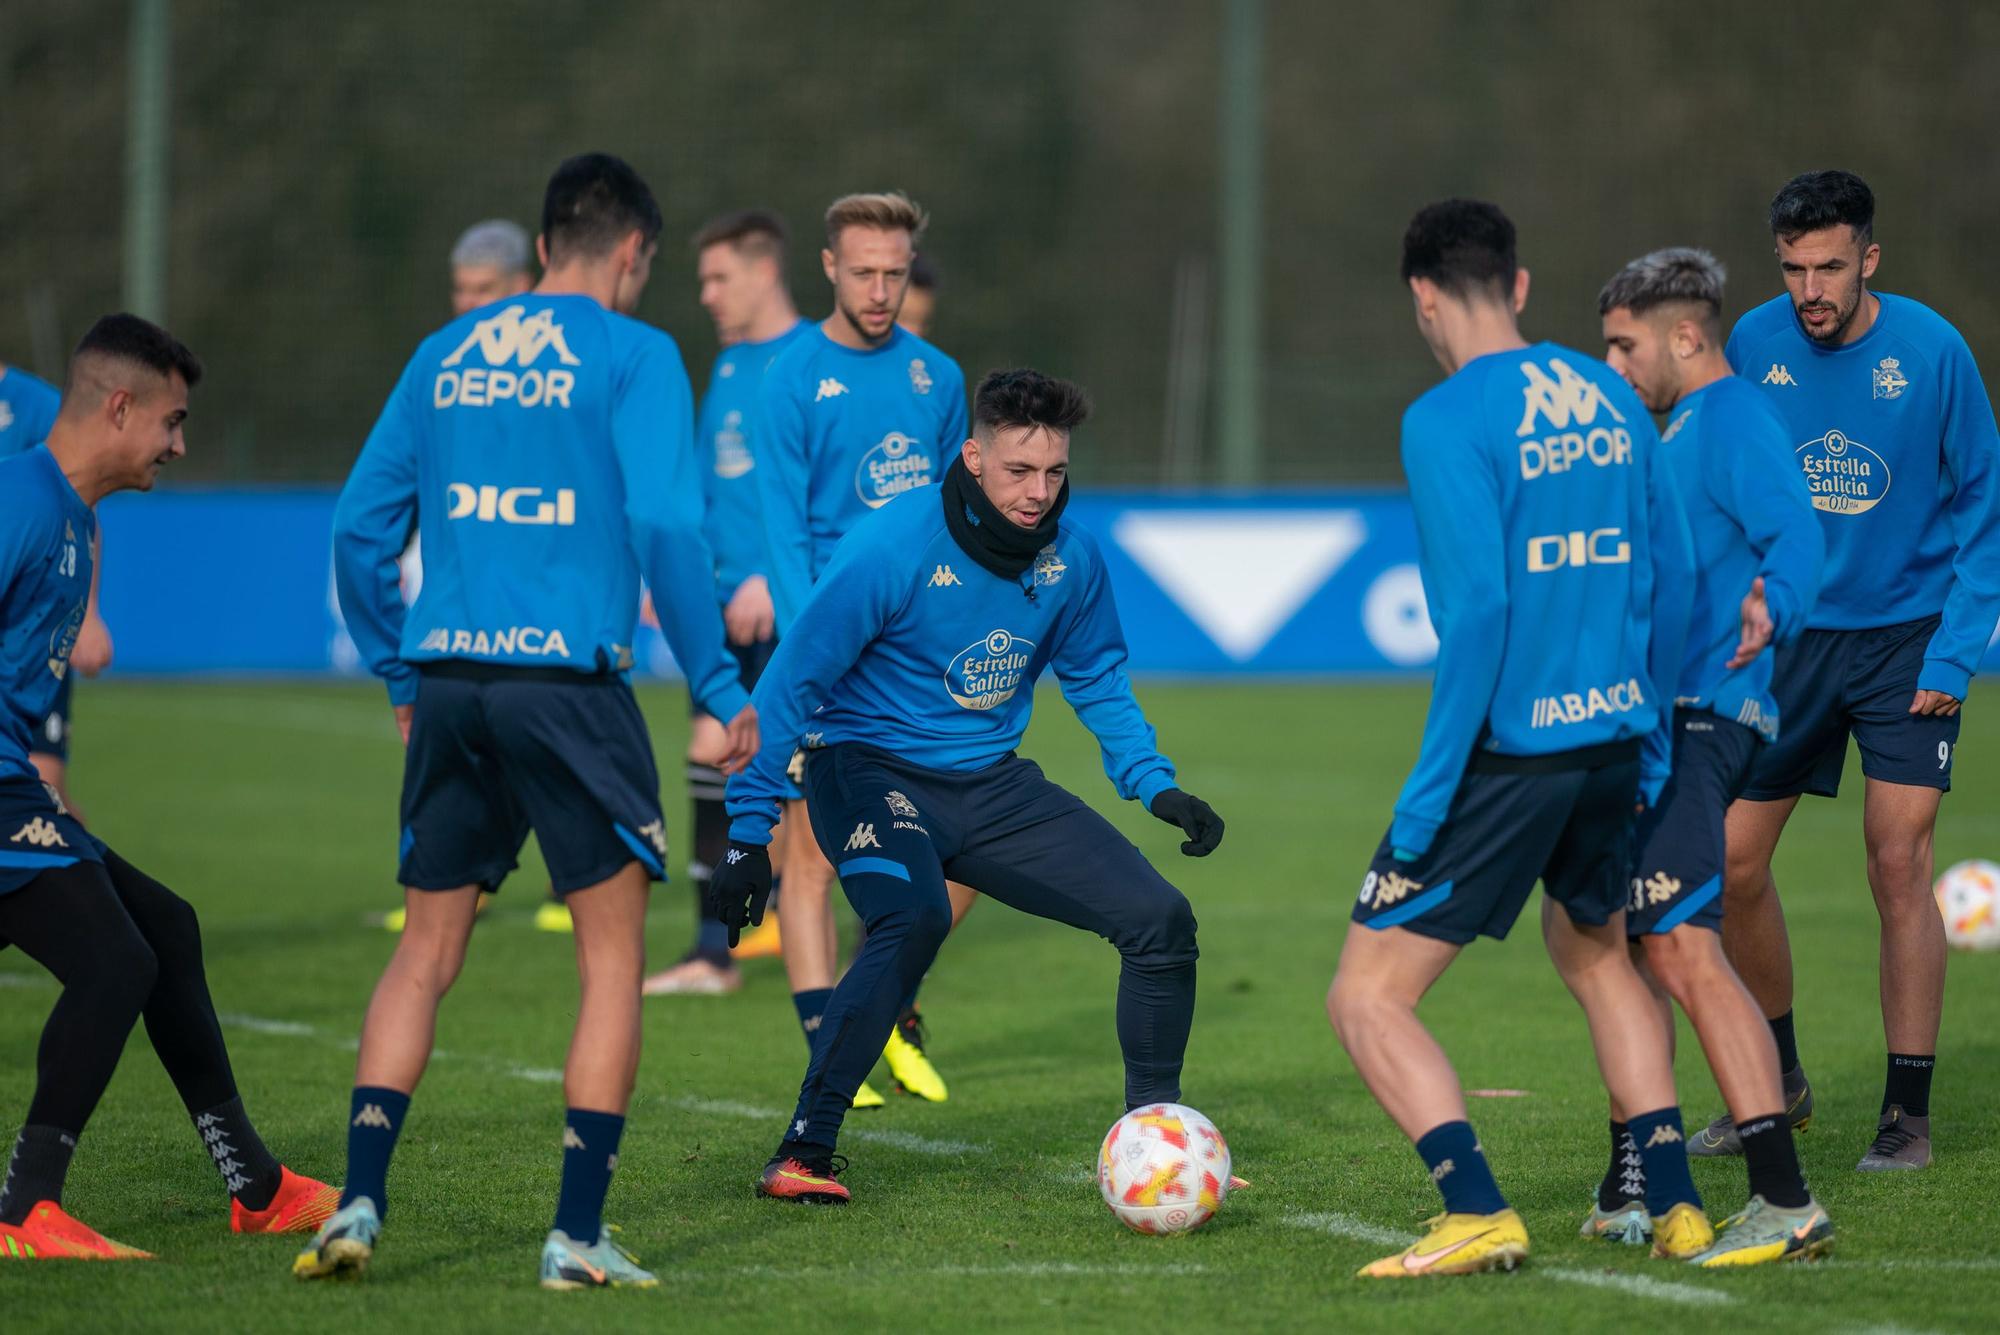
(811, 1005)
(249, 1170)
(35, 1171)
(1625, 1179)
(1909, 1083)
(590, 1154)
(374, 1120)
(1773, 1160)
(1459, 1168)
(1662, 1143)
(1787, 1041)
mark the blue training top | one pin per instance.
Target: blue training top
(727, 456)
(544, 447)
(909, 645)
(841, 433)
(45, 534)
(1728, 454)
(1895, 436)
(28, 407)
(1555, 561)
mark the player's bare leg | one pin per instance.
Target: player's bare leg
(610, 963)
(1632, 1047)
(1689, 965)
(401, 1026)
(1753, 920)
(1372, 1003)
(1897, 822)
(812, 946)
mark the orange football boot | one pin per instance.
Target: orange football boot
(806, 1184)
(300, 1206)
(48, 1234)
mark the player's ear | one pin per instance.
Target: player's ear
(542, 251)
(1869, 259)
(1520, 289)
(970, 453)
(826, 263)
(118, 405)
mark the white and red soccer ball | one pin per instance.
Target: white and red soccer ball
(1968, 895)
(1163, 1168)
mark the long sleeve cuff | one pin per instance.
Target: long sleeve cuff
(1412, 834)
(1943, 675)
(1153, 785)
(752, 827)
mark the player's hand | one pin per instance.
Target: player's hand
(404, 713)
(1196, 817)
(739, 888)
(750, 618)
(1757, 626)
(91, 653)
(1934, 702)
(740, 741)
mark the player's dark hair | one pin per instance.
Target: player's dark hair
(1812, 201)
(923, 273)
(593, 202)
(1025, 398)
(1676, 276)
(756, 232)
(1465, 246)
(138, 342)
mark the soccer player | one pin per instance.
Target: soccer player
(121, 944)
(740, 261)
(27, 410)
(920, 302)
(1555, 559)
(1757, 549)
(1891, 426)
(488, 264)
(546, 454)
(910, 693)
(850, 416)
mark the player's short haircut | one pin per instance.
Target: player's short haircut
(758, 233)
(1811, 201)
(1676, 276)
(593, 202)
(1025, 398)
(497, 243)
(890, 210)
(923, 274)
(126, 342)
(1465, 246)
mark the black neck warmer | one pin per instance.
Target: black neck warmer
(986, 535)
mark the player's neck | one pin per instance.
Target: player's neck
(88, 477)
(1469, 330)
(1702, 370)
(844, 332)
(596, 281)
(1864, 319)
(775, 321)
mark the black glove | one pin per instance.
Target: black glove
(1198, 818)
(739, 888)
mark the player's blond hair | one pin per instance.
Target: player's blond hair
(889, 210)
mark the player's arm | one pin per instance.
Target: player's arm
(1765, 493)
(371, 525)
(1971, 457)
(1667, 587)
(865, 585)
(1089, 663)
(652, 432)
(92, 652)
(1462, 551)
(784, 479)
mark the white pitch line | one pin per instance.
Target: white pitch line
(1638, 1286)
(998, 1270)
(26, 980)
(1918, 1263)
(258, 1025)
(1347, 1226)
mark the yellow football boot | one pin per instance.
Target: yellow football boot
(760, 942)
(1682, 1233)
(913, 1070)
(866, 1098)
(553, 916)
(1763, 1233)
(1457, 1244)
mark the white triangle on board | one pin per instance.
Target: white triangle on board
(1240, 574)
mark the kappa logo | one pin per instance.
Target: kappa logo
(1662, 1135)
(734, 856)
(1674, 428)
(1778, 375)
(799, 1127)
(901, 806)
(502, 339)
(1889, 379)
(39, 833)
(920, 379)
(1383, 888)
(1567, 400)
(571, 1140)
(1655, 889)
(942, 577)
(829, 388)
(508, 337)
(1049, 566)
(863, 837)
(371, 1114)
(655, 833)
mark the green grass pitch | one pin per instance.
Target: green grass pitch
(272, 807)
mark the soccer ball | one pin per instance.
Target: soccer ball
(1968, 895)
(1163, 1169)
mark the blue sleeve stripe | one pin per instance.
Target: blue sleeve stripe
(647, 857)
(10, 858)
(1687, 908)
(1415, 908)
(879, 866)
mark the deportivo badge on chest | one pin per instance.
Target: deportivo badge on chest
(1890, 382)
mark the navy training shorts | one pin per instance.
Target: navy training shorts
(1677, 872)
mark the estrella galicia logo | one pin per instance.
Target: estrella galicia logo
(1844, 476)
(987, 673)
(732, 452)
(897, 464)
(63, 639)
